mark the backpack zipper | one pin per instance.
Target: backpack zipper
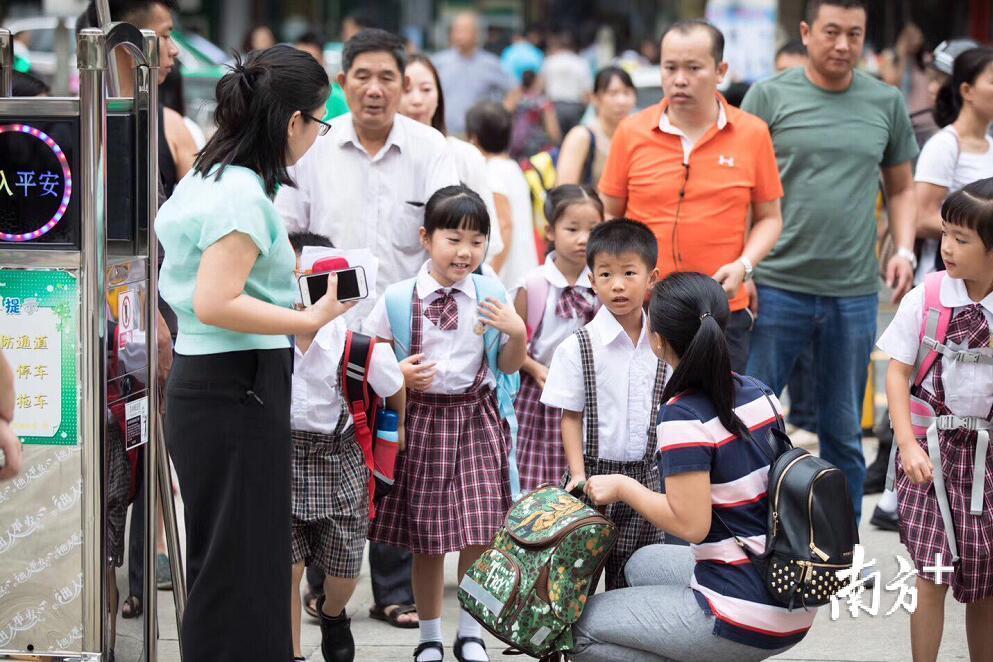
(810, 515)
(779, 485)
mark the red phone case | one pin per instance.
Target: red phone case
(329, 264)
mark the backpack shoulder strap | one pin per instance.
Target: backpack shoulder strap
(934, 326)
(490, 288)
(536, 288)
(398, 298)
(355, 363)
(507, 385)
(769, 449)
(590, 413)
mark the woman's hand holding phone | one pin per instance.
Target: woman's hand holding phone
(328, 307)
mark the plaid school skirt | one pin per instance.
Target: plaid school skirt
(540, 456)
(921, 527)
(452, 486)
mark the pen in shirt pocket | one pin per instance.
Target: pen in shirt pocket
(415, 203)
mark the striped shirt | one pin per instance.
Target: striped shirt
(727, 585)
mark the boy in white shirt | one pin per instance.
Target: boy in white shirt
(330, 475)
(622, 255)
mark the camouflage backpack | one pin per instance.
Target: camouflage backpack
(532, 583)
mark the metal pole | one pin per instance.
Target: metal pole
(146, 101)
(91, 56)
(172, 532)
(113, 75)
(6, 63)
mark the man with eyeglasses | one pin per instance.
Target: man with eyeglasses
(364, 185)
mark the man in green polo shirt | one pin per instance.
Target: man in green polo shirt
(835, 130)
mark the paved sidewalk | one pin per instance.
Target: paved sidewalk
(864, 638)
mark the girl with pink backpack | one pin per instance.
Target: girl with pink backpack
(555, 300)
(940, 391)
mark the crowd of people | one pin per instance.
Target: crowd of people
(665, 254)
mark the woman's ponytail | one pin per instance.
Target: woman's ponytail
(947, 104)
(255, 102)
(690, 311)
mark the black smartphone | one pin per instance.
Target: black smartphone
(351, 285)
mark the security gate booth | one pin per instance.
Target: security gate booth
(78, 194)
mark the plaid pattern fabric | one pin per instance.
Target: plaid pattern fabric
(443, 312)
(540, 456)
(452, 484)
(572, 304)
(323, 467)
(330, 501)
(633, 531)
(921, 527)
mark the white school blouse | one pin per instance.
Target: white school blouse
(316, 403)
(968, 386)
(457, 353)
(554, 329)
(625, 377)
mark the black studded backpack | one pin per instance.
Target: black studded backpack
(811, 528)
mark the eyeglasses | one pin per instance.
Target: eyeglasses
(325, 127)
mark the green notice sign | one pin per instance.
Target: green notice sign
(39, 330)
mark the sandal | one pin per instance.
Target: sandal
(462, 641)
(310, 600)
(393, 615)
(131, 607)
(427, 645)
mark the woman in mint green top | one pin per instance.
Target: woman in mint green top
(228, 274)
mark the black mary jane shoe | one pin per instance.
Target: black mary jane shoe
(462, 641)
(428, 645)
(337, 644)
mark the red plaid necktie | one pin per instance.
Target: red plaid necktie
(967, 330)
(443, 312)
(572, 304)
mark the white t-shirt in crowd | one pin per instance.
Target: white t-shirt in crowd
(968, 386)
(505, 177)
(568, 77)
(471, 166)
(943, 163)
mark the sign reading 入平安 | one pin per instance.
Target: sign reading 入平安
(35, 183)
(38, 337)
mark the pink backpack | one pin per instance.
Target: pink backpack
(925, 421)
(536, 288)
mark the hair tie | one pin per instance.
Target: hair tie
(247, 79)
(705, 315)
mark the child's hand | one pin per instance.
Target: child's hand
(417, 375)
(916, 463)
(502, 317)
(537, 371)
(401, 438)
(604, 490)
(575, 480)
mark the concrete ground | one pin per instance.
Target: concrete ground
(863, 638)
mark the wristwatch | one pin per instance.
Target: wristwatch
(749, 269)
(909, 256)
